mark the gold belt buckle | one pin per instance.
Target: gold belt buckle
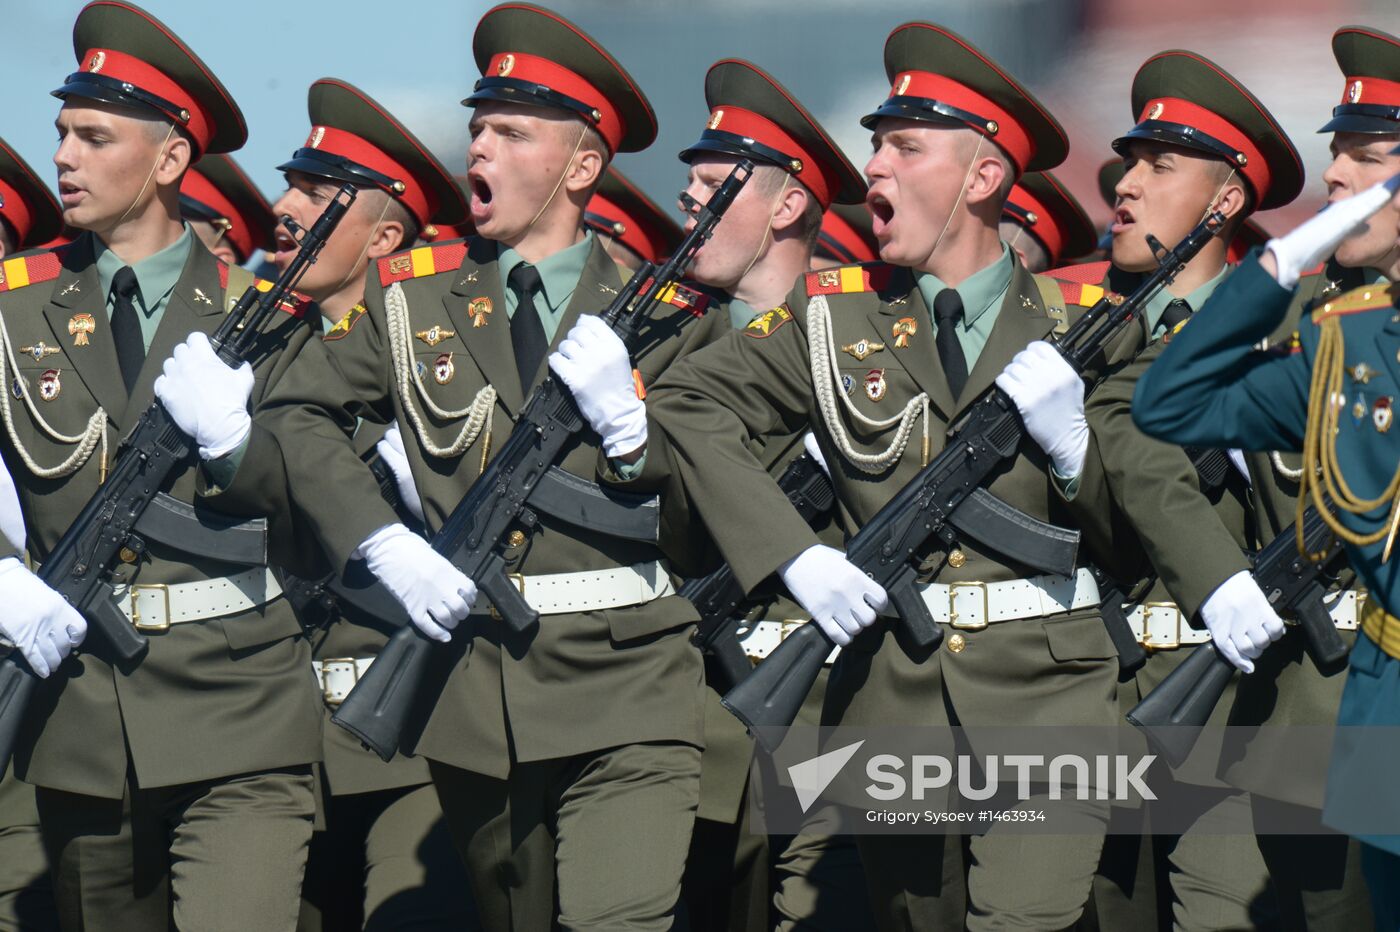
(519, 579)
(326, 682)
(152, 628)
(1147, 642)
(952, 602)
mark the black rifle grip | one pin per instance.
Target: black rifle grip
(1131, 653)
(126, 642)
(1324, 644)
(508, 600)
(1172, 715)
(920, 628)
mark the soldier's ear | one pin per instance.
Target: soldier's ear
(586, 171)
(792, 204)
(988, 179)
(174, 160)
(1233, 199)
(388, 238)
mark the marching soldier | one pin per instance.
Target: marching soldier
(383, 820)
(764, 244)
(171, 788)
(566, 757)
(226, 210)
(1201, 143)
(845, 238)
(1044, 224)
(29, 216)
(1324, 394)
(631, 227)
(917, 339)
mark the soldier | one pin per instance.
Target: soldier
(29, 216)
(226, 210)
(171, 788)
(629, 224)
(1213, 385)
(383, 820)
(1044, 224)
(763, 245)
(1202, 143)
(845, 238)
(941, 320)
(567, 756)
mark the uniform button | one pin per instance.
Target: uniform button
(956, 559)
(127, 555)
(516, 538)
(956, 643)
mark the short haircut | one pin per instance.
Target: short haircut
(770, 180)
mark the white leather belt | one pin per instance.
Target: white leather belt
(338, 675)
(974, 605)
(154, 607)
(1160, 625)
(589, 591)
(764, 637)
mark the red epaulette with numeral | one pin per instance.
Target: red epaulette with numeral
(849, 279)
(21, 271)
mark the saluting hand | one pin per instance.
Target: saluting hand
(593, 362)
(205, 398)
(1050, 396)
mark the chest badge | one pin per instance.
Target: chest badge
(39, 350)
(443, 370)
(49, 385)
(70, 288)
(903, 329)
(862, 348)
(848, 382)
(202, 298)
(80, 327)
(435, 334)
(1382, 414)
(479, 310)
(875, 384)
(1359, 409)
(1361, 373)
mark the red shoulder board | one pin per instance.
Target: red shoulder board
(424, 260)
(678, 295)
(849, 279)
(1318, 269)
(1365, 298)
(20, 271)
(295, 303)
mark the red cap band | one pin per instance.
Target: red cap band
(1045, 226)
(239, 234)
(16, 212)
(1175, 110)
(1377, 91)
(811, 171)
(1004, 130)
(642, 238)
(414, 196)
(123, 67)
(556, 77)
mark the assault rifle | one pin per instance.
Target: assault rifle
(931, 506)
(79, 566)
(1295, 586)
(381, 707)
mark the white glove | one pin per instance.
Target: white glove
(814, 450)
(435, 593)
(1050, 396)
(37, 620)
(207, 399)
(1319, 237)
(593, 362)
(390, 448)
(1241, 621)
(841, 599)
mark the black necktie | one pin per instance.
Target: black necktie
(126, 328)
(1176, 312)
(947, 312)
(526, 331)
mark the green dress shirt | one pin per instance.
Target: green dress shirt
(982, 294)
(156, 275)
(559, 275)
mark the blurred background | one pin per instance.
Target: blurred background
(1077, 56)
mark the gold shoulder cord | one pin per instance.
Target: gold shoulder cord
(1320, 452)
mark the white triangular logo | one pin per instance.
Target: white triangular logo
(811, 777)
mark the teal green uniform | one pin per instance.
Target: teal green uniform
(1212, 387)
